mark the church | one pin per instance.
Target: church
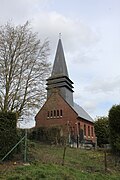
(60, 108)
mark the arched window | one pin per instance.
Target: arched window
(79, 128)
(54, 113)
(92, 131)
(57, 113)
(61, 113)
(51, 114)
(88, 130)
(84, 129)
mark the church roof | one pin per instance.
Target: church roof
(81, 112)
(59, 67)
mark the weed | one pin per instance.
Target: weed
(46, 163)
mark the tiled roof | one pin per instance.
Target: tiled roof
(81, 112)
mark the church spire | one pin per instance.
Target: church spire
(59, 77)
(59, 67)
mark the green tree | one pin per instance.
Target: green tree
(24, 68)
(114, 125)
(102, 130)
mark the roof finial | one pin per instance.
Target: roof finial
(60, 35)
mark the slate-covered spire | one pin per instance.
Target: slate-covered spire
(59, 77)
(59, 67)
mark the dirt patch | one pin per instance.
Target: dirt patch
(7, 166)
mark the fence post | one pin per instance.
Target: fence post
(105, 158)
(25, 151)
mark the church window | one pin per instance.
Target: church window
(57, 113)
(61, 113)
(51, 114)
(54, 113)
(84, 129)
(48, 114)
(92, 131)
(88, 130)
(79, 128)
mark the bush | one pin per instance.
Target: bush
(114, 124)
(8, 132)
(51, 135)
(102, 131)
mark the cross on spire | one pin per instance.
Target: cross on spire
(60, 35)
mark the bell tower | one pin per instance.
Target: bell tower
(59, 78)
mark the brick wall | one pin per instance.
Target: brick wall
(57, 112)
(49, 116)
(88, 129)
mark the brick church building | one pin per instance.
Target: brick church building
(60, 108)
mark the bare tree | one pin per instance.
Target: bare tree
(24, 68)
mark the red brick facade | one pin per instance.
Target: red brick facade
(57, 112)
(88, 129)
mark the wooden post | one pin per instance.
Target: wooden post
(77, 134)
(25, 151)
(105, 159)
(64, 155)
(77, 141)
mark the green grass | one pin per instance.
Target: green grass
(46, 163)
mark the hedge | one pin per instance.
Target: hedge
(8, 132)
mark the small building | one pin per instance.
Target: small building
(60, 108)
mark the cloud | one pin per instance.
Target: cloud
(91, 48)
(21, 10)
(105, 85)
(98, 95)
(73, 31)
(79, 38)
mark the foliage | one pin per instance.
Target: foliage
(114, 124)
(8, 132)
(102, 130)
(51, 135)
(24, 68)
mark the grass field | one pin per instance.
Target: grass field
(45, 162)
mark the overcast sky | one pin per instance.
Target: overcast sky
(91, 41)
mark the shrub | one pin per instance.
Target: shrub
(114, 124)
(51, 135)
(8, 131)
(102, 130)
